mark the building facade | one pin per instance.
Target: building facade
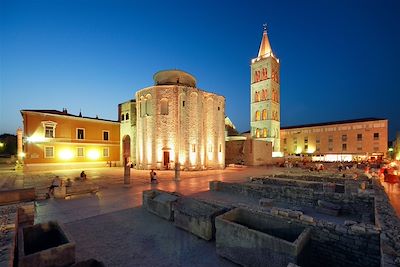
(127, 118)
(57, 138)
(348, 140)
(265, 95)
(179, 123)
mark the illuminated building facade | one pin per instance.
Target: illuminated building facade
(57, 138)
(179, 123)
(127, 118)
(265, 95)
(348, 140)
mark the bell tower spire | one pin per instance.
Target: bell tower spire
(265, 95)
(265, 46)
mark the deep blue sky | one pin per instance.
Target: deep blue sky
(339, 59)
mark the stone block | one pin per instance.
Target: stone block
(327, 211)
(266, 202)
(196, 216)
(17, 195)
(159, 203)
(253, 238)
(307, 218)
(213, 185)
(45, 244)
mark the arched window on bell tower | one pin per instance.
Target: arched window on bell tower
(264, 114)
(265, 132)
(257, 115)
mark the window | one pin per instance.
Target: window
(344, 147)
(80, 133)
(49, 152)
(183, 103)
(330, 148)
(127, 116)
(106, 135)
(376, 136)
(148, 105)
(106, 152)
(257, 115)
(79, 152)
(305, 147)
(164, 106)
(257, 133)
(49, 131)
(317, 149)
(359, 147)
(219, 108)
(359, 137)
(317, 140)
(284, 141)
(376, 149)
(264, 114)
(122, 117)
(210, 148)
(305, 140)
(330, 139)
(265, 132)
(295, 140)
(344, 137)
(220, 147)
(193, 147)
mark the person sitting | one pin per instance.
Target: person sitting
(153, 177)
(83, 175)
(55, 183)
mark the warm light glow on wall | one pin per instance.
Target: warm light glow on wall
(1, 144)
(65, 154)
(311, 150)
(35, 139)
(193, 157)
(93, 154)
(149, 151)
(22, 155)
(277, 154)
(298, 150)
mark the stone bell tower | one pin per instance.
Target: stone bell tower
(265, 95)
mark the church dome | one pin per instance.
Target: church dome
(171, 77)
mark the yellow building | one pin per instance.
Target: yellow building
(53, 138)
(347, 140)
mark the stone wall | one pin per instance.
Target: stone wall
(355, 204)
(386, 218)
(334, 244)
(249, 152)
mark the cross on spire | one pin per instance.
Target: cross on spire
(265, 26)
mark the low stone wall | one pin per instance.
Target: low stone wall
(351, 244)
(196, 216)
(317, 186)
(254, 238)
(17, 195)
(45, 244)
(355, 204)
(386, 218)
(159, 203)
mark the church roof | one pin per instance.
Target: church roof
(265, 46)
(174, 77)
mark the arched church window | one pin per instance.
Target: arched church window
(264, 114)
(265, 132)
(148, 105)
(127, 116)
(263, 95)
(122, 117)
(255, 96)
(164, 106)
(257, 133)
(257, 118)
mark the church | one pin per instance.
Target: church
(173, 123)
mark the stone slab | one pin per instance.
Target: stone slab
(159, 203)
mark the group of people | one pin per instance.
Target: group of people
(57, 182)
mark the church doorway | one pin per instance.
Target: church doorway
(166, 160)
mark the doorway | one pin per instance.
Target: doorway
(166, 159)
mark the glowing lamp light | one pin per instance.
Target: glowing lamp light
(65, 154)
(298, 150)
(390, 149)
(93, 154)
(1, 144)
(35, 139)
(22, 155)
(277, 154)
